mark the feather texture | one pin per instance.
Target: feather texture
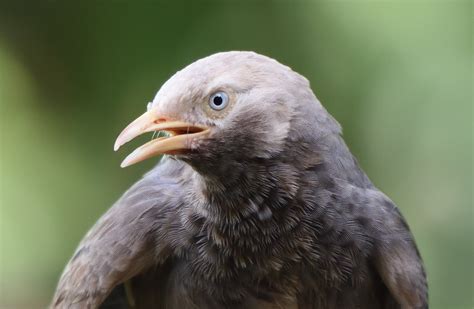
(272, 211)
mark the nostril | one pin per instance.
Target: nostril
(160, 120)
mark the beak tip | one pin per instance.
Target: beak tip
(130, 159)
(118, 143)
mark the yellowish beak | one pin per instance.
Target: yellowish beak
(181, 136)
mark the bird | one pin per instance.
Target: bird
(256, 202)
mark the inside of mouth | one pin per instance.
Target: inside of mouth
(184, 130)
(163, 134)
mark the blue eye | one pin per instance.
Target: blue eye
(218, 101)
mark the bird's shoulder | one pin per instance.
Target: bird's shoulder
(366, 231)
(132, 235)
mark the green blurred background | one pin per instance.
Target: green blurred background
(397, 76)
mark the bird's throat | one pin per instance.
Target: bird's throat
(255, 190)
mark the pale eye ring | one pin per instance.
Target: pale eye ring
(219, 100)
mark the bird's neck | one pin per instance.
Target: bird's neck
(248, 211)
(258, 189)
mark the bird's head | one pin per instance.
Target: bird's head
(232, 106)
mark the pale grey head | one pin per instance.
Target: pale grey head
(230, 106)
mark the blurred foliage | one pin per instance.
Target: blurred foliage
(397, 75)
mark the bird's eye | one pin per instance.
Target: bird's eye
(218, 101)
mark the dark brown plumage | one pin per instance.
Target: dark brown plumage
(259, 205)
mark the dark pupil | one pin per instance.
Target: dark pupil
(217, 100)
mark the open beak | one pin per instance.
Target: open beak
(181, 136)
